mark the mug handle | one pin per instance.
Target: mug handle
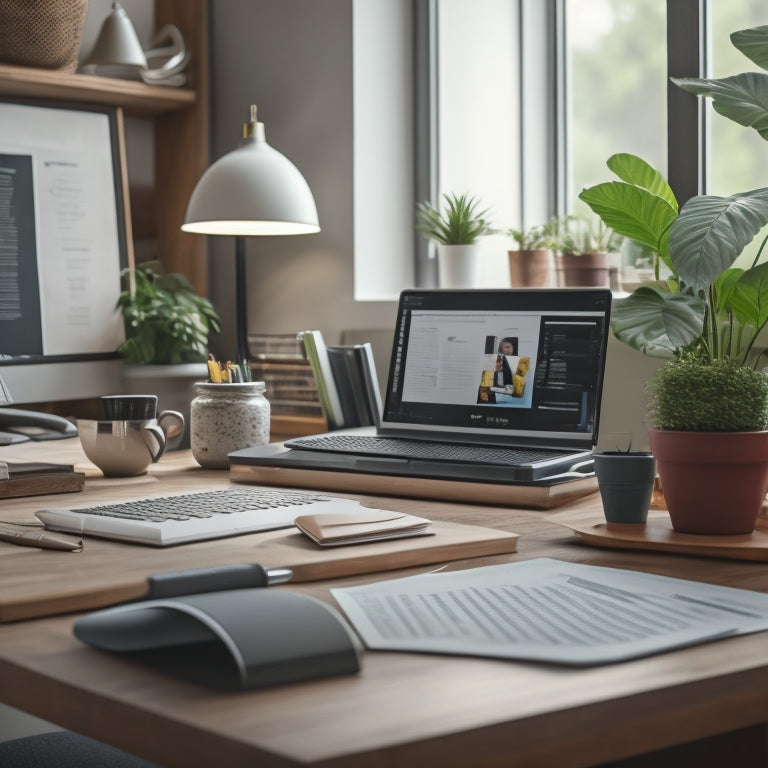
(173, 429)
(156, 447)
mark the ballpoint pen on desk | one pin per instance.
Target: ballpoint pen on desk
(41, 539)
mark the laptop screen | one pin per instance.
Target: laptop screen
(513, 366)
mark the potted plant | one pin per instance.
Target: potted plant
(583, 246)
(165, 320)
(167, 328)
(455, 227)
(530, 264)
(709, 403)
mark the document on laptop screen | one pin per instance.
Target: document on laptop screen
(527, 364)
(548, 610)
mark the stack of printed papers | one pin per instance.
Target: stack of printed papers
(548, 610)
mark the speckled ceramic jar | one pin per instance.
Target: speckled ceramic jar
(225, 418)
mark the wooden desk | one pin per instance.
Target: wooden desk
(406, 709)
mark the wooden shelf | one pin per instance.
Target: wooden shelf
(136, 98)
(180, 117)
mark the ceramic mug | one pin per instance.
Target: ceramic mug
(125, 447)
(133, 407)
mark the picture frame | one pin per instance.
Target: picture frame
(65, 232)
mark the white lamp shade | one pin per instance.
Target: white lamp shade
(253, 190)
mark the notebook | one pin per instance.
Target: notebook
(499, 386)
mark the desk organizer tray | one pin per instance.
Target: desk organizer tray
(657, 534)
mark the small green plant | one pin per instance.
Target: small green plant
(694, 393)
(575, 236)
(538, 236)
(461, 220)
(165, 320)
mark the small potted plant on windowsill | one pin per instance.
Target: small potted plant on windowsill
(455, 227)
(530, 264)
(583, 246)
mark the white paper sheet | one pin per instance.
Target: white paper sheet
(548, 610)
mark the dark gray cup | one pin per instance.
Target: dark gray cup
(128, 407)
(626, 485)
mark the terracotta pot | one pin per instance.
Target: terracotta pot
(585, 270)
(530, 269)
(714, 482)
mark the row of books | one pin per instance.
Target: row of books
(306, 377)
(346, 380)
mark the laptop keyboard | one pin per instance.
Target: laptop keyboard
(190, 506)
(404, 448)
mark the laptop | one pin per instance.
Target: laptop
(499, 386)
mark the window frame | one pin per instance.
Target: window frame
(543, 70)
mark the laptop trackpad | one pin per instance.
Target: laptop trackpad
(247, 638)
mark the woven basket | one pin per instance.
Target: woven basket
(42, 33)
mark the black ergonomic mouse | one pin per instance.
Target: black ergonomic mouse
(245, 638)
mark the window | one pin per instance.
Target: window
(521, 102)
(738, 155)
(615, 100)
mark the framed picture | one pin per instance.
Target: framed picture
(64, 234)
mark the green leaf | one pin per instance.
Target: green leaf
(633, 212)
(634, 170)
(724, 287)
(753, 43)
(749, 298)
(656, 322)
(742, 98)
(711, 232)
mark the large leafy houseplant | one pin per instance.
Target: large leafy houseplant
(166, 321)
(708, 303)
(707, 318)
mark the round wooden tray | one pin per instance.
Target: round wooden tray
(658, 534)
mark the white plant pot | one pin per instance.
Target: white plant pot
(457, 265)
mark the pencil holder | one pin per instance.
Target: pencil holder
(226, 418)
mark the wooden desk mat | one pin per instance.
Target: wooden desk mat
(658, 534)
(43, 582)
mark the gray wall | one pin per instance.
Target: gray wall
(294, 60)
